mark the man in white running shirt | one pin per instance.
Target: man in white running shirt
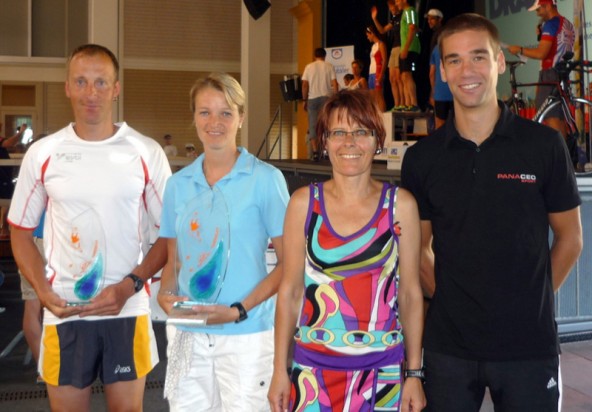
(102, 185)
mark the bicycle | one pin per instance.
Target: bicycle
(516, 103)
(574, 109)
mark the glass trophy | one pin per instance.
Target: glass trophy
(203, 250)
(83, 259)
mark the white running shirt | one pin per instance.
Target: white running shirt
(103, 199)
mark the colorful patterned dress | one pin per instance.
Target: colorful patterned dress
(348, 344)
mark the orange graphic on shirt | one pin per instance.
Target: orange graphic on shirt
(75, 239)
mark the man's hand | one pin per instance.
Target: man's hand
(514, 49)
(111, 299)
(374, 12)
(57, 305)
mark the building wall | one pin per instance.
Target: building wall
(164, 48)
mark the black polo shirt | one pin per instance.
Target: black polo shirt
(489, 207)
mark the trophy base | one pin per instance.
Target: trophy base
(182, 314)
(76, 304)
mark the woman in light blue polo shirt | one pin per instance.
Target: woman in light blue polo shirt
(226, 364)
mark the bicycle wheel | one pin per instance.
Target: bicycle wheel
(578, 137)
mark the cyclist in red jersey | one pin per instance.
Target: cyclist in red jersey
(557, 37)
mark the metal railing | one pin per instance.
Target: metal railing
(277, 117)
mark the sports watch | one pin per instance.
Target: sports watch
(415, 373)
(242, 313)
(138, 282)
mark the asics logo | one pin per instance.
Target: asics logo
(122, 369)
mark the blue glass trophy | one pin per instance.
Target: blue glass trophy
(82, 259)
(203, 250)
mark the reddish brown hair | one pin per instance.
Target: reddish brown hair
(355, 105)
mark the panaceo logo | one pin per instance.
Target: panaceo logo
(522, 177)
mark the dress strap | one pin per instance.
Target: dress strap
(313, 198)
(392, 200)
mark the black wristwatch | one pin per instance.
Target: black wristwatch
(138, 282)
(415, 373)
(242, 313)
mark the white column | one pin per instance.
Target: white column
(255, 76)
(104, 29)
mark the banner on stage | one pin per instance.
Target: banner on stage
(341, 58)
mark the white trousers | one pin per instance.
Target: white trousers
(228, 373)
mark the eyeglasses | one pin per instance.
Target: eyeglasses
(358, 135)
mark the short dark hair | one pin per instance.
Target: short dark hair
(320, 52)
(93, 50)
(359, 62)
(357, 105)
(470, 21)
(372, 29)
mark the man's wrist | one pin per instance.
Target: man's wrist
(137, 282)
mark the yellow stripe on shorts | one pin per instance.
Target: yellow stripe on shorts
(50, 367)
(142, 347)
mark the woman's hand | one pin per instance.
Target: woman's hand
(217, 314)
(413, 398)
(279, 391)
(166, 300)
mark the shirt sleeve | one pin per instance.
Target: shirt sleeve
(561, 188)
(159, 172)
(550, 28)
(29, 198)
(169, 216)
(306, 74)
(274, 203)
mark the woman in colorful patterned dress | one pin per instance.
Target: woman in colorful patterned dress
(351, 279)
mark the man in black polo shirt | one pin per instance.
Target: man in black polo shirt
(489, 185)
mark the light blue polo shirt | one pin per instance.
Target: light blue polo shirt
(256, 197)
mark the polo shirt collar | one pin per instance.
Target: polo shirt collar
(504, 127)
(244, 165)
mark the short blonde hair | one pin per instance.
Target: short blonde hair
(223, 82)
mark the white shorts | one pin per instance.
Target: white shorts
(226, 373)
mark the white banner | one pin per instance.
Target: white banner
(341, 58)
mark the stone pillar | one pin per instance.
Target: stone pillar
(255, 76)
(309, 16)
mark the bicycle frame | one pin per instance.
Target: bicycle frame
(563, 97)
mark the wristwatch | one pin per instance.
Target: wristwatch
(242, 313)
(415, 373)
(138, 282)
